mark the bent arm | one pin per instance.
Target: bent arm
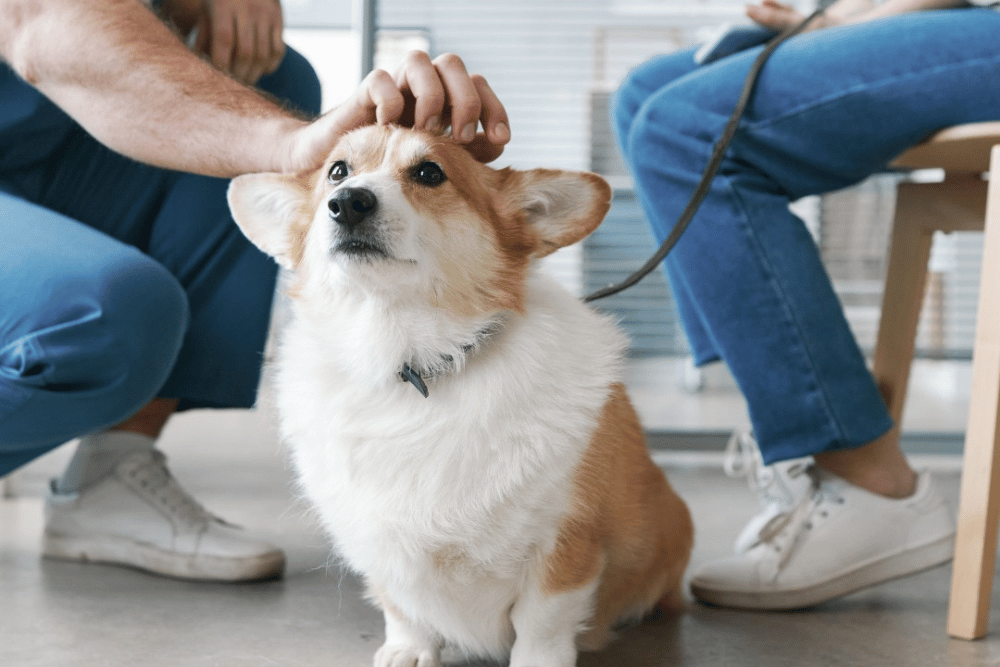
(128, 80)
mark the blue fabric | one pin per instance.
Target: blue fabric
(30, 125)
(119, 281)
(831, 108)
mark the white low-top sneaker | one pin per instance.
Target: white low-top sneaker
(139, 516)
(838, 539)
(778, 487)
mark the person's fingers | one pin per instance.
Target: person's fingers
(462, 96)
(779, 16)
(203, 29)
(242, 38)
(484, 149)
(422, 93)
(493, 115)
(378, 100)
(275, 43)
(268, 47)
(244, 55)
(262, 53)
(419, 78)
(773, 15)
(441, 92)
(222, 25)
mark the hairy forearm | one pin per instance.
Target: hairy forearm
(94, 59)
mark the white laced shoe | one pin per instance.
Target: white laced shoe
(837, 539)
(778, 486)
(139, 516)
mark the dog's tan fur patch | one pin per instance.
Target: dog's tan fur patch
(628, 526)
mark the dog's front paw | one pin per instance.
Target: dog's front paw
(402, 655)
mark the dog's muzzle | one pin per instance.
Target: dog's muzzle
(350, 206)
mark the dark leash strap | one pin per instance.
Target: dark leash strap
(713, 165)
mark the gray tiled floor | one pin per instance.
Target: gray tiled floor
(64, 614)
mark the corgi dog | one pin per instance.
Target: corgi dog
(455, 417)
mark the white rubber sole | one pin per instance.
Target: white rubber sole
(118, 551)
(914, 560)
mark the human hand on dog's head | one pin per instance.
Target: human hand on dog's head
(424, 94)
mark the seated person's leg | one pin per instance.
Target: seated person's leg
(827, 112)
(642, 84)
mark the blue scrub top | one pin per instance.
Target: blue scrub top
(30, 125)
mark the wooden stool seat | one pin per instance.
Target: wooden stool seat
(961, 148)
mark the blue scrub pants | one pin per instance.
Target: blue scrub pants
(831, 108)
(121, 282)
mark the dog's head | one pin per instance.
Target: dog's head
(404, 210)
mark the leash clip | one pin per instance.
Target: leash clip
(413, 377)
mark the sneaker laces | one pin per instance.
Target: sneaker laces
(784, 532)
(743, 459)
(155, 480)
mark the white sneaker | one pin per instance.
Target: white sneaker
(139, 516)
(778, 486)
(838, 539)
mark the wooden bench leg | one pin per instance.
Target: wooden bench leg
(979, 504)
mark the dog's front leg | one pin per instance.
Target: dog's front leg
(406, 644)
(546, 625)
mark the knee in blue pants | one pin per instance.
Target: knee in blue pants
(747, 266)
(629, 111)
(91, 329)
(295, 83)
(99, 349)
(642, 82)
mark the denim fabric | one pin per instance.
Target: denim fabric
(119, 281)
(831, 108)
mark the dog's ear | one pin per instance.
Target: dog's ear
(562, 207)
(271, 210)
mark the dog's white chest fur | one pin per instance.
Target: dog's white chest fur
(448, 501)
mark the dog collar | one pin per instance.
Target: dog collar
(415, 376)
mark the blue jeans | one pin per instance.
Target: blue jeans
(831, 108)
(119, 282)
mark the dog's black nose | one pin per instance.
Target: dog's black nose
(350, 206)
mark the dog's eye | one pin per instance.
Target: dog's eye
(429, 173)
(338, 171)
